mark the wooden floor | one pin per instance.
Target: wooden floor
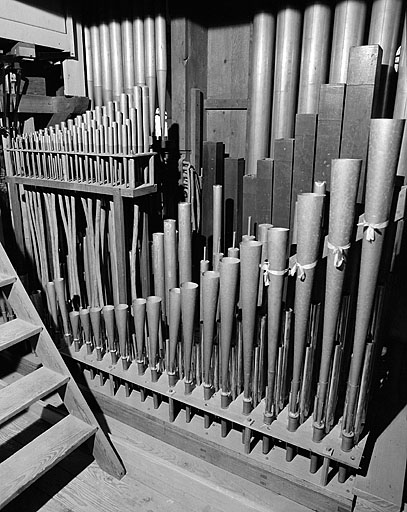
(159, 477)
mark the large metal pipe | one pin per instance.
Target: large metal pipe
(385, 30)
(128, 49)
(314, 54)
(260, 88)
(116, 52)
(96, 64)
(161, 59)
(286, 72)
(138, 34)
(349, 29)
(149, 58)
(105, 56)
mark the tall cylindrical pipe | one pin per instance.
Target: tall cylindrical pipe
(400, 104)
(217, 220)
(139, 318)
(210, 291)
(277, 240)
(149, 58)
(128, 49)
(344, 186)
(309, 218)
(95, 317)
(384, 148)
(314, 54)
(260, 88)
(138, 33)
(121, 311)
(385, 30)
(286, 71)
(153, 306)
(250, 254)
(108, 318)
(116, 52)
(161, 59)
(106, 58)
(184, 242)
(170, 255)
(189, 293)
(348, 31)
(173, 327)
(229, 280)
(96, 64)
(158, 264)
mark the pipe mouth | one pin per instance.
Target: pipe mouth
(211, 274)
(84, 311)
(183, 204)
(175, 291)
(153, 299)
(312, 194)
(139, 302)
(277, 229)
(170, 222)
(95, 309)
(108, 308)
(251, 243)
(189, 285)
(121, 307)
(230, 260)
(73, 314)
(158, 235)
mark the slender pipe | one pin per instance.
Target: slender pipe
(173, 324)
(149, 59)
(217, 220)
(121, 311)
(314, 54)
(345, 175)
(189, 293)
(106, 59)
(384, 147)
(170, 258)
(116, 51)
(153, 306)
(309, 217)
(277, 240)
(138, 33)
(286, 72)
(250, 254)
(229, 280)
(161, 59)
(184, 242)
(210, 292)
(128, 49)
(139, 317)
(348, 31)
(157, 256)
(108, 319)
(260, 88)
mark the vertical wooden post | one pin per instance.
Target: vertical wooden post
(196, 128)
(329, 130)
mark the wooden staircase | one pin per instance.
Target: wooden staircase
(33, 460)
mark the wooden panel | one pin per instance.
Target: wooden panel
(45, 24)
(304, 152)
(233, 199)
(189, 48)
(15, 331)
(212, 174)
(264, 190)
(18, 396)
(249, 203)
(329, 130)
(228, 72)
(360, 99)
(283, 167)
(32, 461)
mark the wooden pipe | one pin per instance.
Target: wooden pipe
(173, 324)
(210, 292)
(189, 293)
(250, 254)
(277, 240)
(153, 306)
(184, 242)
(229, 280)
(139, 316)
(345, 175)
(309, 217)
(384, 147)
(120, 312)
(260, 88)
(108, 318)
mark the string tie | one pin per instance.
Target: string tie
(299, 269)
(371, 228)
(339, 253)
(267, 272)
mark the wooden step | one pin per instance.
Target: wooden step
(21, 394)
(15, 331)
(7, 280)
(33, 460)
